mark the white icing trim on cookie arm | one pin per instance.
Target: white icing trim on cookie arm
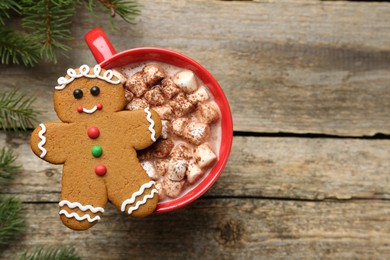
(136, 194)
(73, 205)
(78, 217)
(142, 202)
(150, 120)
(43, 140)
(84, 72)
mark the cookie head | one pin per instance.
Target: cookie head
(88, 92)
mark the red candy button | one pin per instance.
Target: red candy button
(93, 132)
(99, 106)
(100, 169)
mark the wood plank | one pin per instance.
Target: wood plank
(296, 168)
(223, 229)
(286, 66)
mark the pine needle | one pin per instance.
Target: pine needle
(6, 7)
(127, 9)
(11, 219)
(16, 48)
(15, 110)
(49, 22)
(8, 168)
(52, 253)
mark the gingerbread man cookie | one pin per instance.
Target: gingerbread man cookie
(97, 142)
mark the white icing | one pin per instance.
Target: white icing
(77, 216)
(90, 111)
(43, 140)
(142, 202)
(84, 72)
(73, 205)
(150, 120)
(136, 194)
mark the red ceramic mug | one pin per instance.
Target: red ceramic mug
(108, 58)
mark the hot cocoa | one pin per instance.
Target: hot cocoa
(189, 144)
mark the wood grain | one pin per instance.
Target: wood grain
(290, 66)
(295, 168)
(285, 66)
(223, 229)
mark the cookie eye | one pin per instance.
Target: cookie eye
(78, 93)
(95, 91)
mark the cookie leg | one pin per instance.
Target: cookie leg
(82, 199)
(132, 191)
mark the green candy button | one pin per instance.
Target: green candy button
(97, 151)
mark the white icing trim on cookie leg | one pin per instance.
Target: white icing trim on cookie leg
(43, 140)
(73, 205)
(150, 120)
(142, 202)
(84, 72)
(136, 194)
(78, 217)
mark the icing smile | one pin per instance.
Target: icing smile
(81, 109)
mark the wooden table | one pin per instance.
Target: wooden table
(309, 173)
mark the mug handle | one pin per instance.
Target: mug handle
(99, 45)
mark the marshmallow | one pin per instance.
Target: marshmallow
(161, 192)
(196, 133)
(150, 169)
(172, 188)
(181, 106)
(186, 81)
(177, 169)
(181, 151)
(161, 148)
(152, 74)
(194, 172)
(208, 112)
(154, 97)
(137, 103)
(165, 129)
(178, 126)
(169, 88)
(204, 155)
(165, 112)
(129, 95)
(136, 84)
(198, 96)
(161, 166)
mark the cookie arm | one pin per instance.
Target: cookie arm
(143, 127)
(46, 142)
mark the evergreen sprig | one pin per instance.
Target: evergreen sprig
(6, 7)
(12, 222)
(8, 168)
(16, 47)
(16, 111)
(49, 22)
(127, 9)
(46, 26)
(51, 253)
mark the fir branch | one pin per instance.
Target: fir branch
(49, 22)
(16, 48)
(8, 168)
(127, 9)
(7, 7)
(16, 111)
(52, 253)
(12, 223)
